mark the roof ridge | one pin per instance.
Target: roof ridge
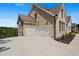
(56, 9)
(56, 6)
(41, 6)
(43, 9)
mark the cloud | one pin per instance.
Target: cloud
(19, 4)
(7, 23)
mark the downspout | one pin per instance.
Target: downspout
(22, 28)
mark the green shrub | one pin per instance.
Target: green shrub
(8, 32)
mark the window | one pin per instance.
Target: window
(62, 13)
(61, 26)
(35, 15)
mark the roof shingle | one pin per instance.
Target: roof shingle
(26, 18)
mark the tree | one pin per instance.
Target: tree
(8, 32)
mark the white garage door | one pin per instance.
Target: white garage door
(31, 31)
(46, 30)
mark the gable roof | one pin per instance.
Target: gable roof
(42, 9)
(25, 18)
(55, 10)
(44, 12)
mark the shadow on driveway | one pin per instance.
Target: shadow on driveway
(4, 41)
(4, 49)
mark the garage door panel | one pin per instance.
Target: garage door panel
(39, 31)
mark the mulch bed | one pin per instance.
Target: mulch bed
(65, 39)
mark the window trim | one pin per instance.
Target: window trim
(61, 26)
(35, 15)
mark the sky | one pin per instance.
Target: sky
(9, 11)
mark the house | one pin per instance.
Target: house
(73, 26)
(44, 22)
(77, 26)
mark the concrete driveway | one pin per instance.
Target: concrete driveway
(39, 46)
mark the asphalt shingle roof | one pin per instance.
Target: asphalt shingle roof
(26, 18)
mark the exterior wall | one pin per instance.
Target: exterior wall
(45, 19)
(58, 33)
(20, 29)
(41, 20)
(68, 29)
